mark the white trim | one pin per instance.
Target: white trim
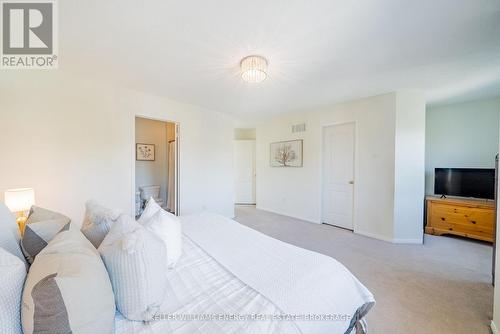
(363, 233)
(355, 171)
(408, 241)
(375, 236)
(494, 327)
(391, 240)
(259, 207)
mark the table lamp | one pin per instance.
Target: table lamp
(19, 201)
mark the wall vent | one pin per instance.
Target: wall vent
(299, 128)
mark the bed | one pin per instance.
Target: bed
(232, 279)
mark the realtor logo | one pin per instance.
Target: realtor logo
(28, 34)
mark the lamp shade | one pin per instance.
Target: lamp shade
(19, 199)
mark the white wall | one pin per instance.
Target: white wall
(461, 135)
(73, 139)
(244, 134)
(297, 191)
(155, 172)
(409, 185)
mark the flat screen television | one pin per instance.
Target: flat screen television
(465, 182)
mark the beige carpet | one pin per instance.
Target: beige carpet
(441, 287)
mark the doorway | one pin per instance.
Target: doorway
(338, 175)
(156, 164)
(244, 176)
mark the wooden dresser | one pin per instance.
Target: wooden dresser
(465, 217)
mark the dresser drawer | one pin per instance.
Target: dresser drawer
(466, 216)
(463, 230)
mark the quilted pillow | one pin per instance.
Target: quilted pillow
(42, 225)
(132, 257)
(9, 233)
(167, 227)
(12, 276)
(97, 222)
(68, 289)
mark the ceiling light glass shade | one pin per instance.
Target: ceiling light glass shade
(253, 69)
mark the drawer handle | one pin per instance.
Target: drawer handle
(443, 219)
(473, 222)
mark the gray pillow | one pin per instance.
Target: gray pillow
(42, 225)
(38, 214)
(68, 289)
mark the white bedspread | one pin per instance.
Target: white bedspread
(297, 281)
(198, 285)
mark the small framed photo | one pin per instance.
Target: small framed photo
(144, 152)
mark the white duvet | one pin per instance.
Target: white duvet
(200, 285)
(229, 269)
(300, 282)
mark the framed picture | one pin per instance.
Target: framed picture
(144, 152)
(286, 153)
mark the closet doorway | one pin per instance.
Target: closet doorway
(244, 166)
(156, 164)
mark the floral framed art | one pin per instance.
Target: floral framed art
(144, 152)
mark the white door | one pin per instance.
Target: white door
(338, 175)
(244, 171)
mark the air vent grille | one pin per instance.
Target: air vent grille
(299, 128)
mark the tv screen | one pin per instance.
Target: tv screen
(465, 182)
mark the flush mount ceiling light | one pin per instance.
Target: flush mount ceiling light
(253, 69)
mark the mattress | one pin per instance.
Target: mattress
(210, 299)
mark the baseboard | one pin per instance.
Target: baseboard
(285, 214)
(388, 239)
(409, 241)
(366, 234)
(374, 235)
(493, 327)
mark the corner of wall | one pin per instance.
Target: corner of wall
(494, 328)
(409, 167)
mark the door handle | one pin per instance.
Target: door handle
(351, 182)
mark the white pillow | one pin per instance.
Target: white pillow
(12, 276)
(134, 258)
(168, 228)
(149, 211)
(97, 222)
(68, 289)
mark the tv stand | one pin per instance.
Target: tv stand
(443, 196)
(471, 218)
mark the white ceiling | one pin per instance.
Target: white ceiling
(320, 51)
